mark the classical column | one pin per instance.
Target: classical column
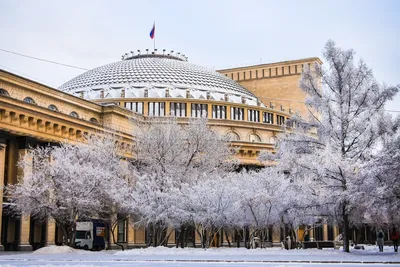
(24, 244)
(50, 232)
(171, 239)
(2, 172)
(325, 232)
(335, 232)
(276, 235)
(209, 111)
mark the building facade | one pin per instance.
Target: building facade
(250, 104)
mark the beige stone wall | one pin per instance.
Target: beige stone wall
(275, 83)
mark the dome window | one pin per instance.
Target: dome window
(4, 92)
(254, 138)
(52, 107)
(232, 136)
(29, 100)
(74, 114)
(94, 120)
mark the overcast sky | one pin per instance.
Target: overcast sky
(212, 33)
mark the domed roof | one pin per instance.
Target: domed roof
(151, 75)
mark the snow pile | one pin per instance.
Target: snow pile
(55, 250)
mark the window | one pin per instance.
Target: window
(276, 71)
(256, 74)
(232, 136)
(280, 120)
(263, 73)
(178, 109)
(218, 112)
(156, 109)
(244, 75)
(238, 76)
(251, 74)
(237, 114)
(53, 108)
(29, 100)
(135, 106)
(74, 114)
(253, 115)
(283, 70)
(268, 118)
(199, 110)
(270, 72)
(254, 138)
(121, 232)
(4, 92)
(94, 120)
(295, 69)
(289, 70)
(232, 76)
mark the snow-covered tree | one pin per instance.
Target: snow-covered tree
(170, 155)
(71, 182)
(382, 173)
(327, 150)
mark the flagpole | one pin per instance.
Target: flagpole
(154, 48)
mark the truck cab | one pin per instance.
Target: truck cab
(90, 235)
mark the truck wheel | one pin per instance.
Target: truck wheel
(85, 247)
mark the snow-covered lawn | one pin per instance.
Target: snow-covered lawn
(166, 257)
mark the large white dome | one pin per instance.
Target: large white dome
(153, 74)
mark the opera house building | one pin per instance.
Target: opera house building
(248, 103)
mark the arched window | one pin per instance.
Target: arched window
(74, 114)
(4, 92)
(29, 100)
(232, 136)
(94, 120)
(52, 107)
(254, 138)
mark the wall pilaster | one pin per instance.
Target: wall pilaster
(2, 173)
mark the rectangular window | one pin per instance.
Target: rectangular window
(280, 120)
(253, 115)
(238, 76)
(218, 112)
(199, 110)
(263, 73)
(270, 72)
(289, 70)
(244, 75)
(232, 76)
(135, 106)
(156, 109)
(237, 114)
(121, 236)
(178, 109)
(283, 70)
(256, 74)
(295, 69)
(268, 118)
(251, 74)
(276, 71)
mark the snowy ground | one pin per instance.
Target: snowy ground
(167, 257)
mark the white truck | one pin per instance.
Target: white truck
(90, 235)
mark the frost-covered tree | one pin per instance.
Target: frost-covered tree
(327, 150)
(71, 182)
(383, 172)
(168, 156)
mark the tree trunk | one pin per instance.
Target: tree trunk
(113, 236)
(227, 238)
(346, 226)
